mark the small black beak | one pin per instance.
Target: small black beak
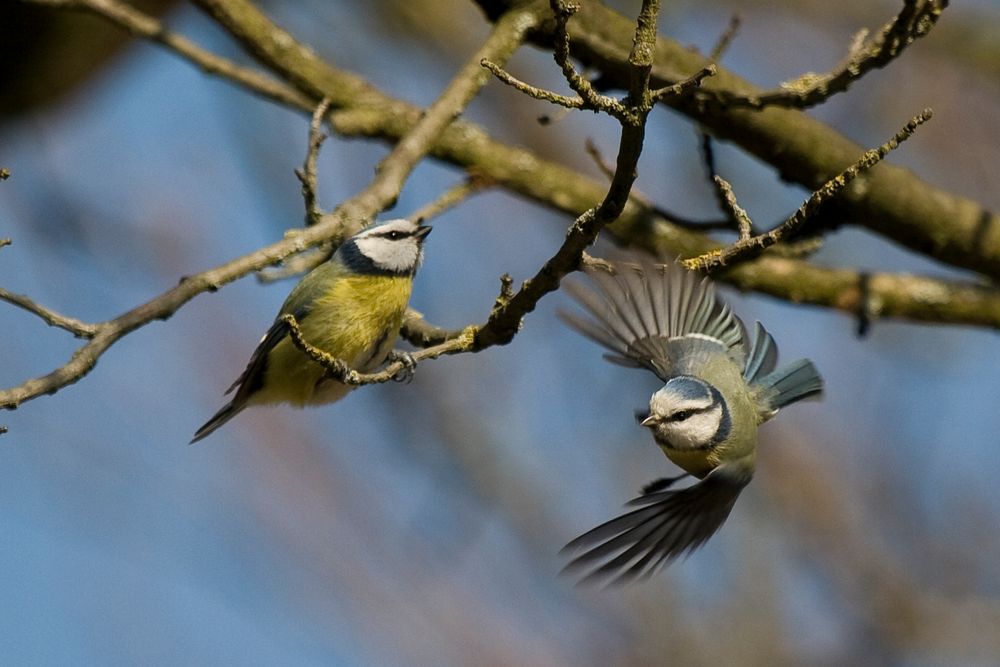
(422, 232)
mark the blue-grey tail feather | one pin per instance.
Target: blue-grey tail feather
(792, 382)
(228, 411)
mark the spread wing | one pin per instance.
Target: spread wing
(645, 313)
(668, 524)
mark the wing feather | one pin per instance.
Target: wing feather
(668, 524)
(639, 311)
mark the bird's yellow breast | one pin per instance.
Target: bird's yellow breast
(698, 462)
(356, 320)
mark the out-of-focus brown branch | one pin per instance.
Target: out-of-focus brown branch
(913, 21)
(451, 198)
(506, 36)
(142, 25)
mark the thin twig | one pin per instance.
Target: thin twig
(420, 333)
(581, 86)
(505, 319)
(595, 154)
(725, 39)
(587, 95)
(748, 247)
(451, 198)
(915, 20)
(743, 224)
(684, 86)
(638, 197)
(533, 91)
(723, 195)
(52, 318)
(296, 265)
(723, 192)
(307, 175)
(335, 368)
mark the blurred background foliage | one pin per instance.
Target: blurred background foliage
(419, 524)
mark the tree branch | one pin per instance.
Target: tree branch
(751, 246)
(799, 146)
(365, 112)
(507, 34)
(505, 320)
(142, 25)
(307, 175)
(897, 204)
(914, 20)
(50, 317)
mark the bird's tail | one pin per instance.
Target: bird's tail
(228, 411)
(792, 382)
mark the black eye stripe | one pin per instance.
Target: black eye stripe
(394, 235)
(681, 415)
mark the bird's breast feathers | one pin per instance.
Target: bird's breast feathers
(357, 321)
(357, 314)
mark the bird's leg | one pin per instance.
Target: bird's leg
(409, 364)
(662, 484)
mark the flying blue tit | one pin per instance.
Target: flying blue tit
(717, 392)
(351, 307)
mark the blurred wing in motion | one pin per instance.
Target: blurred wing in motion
(667, 524)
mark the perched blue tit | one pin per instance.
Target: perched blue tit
(704, 418)
(351, 307)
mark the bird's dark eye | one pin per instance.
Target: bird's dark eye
(394, 236)
(681, 416)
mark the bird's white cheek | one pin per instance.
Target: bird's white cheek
(695, 432)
